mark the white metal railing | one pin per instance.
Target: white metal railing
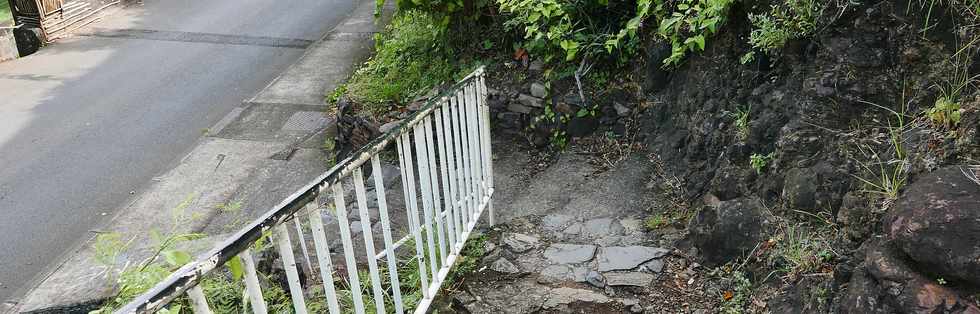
(443, 155)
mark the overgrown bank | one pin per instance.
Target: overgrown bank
(807, 129)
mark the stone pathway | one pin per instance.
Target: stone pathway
(571, 240)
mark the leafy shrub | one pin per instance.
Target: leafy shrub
(412, 55)
(443, 8)
(571, 30)
(794, 19)
(690, 24)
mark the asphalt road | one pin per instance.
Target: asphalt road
(92, 118)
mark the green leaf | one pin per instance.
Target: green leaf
(582, 113)
(236, 267)
(747, 57)
(176, 258)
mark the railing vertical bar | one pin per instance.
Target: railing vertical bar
(345, 237)
(302, 245)
(487, 152)
(199, 303)
(408, 182)
(460, 202)
(478, 138)
(450, 164)
(289, 264)
(367, 232)
(465, 145)
(450, 221)
(379, 189)
(473, 146)
(433, 178)
(252, 286)
(423, 163)
(323, 254)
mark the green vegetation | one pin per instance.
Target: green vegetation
(571, 30)
(791, 20)
(886, 176)
(759, 162)
(945, 113)
(741, 117)
(5, 16)
(656, 221)
(690, 24)
(412, 55)
(798, 250)
(735, 300)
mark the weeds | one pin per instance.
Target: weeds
(735, 300)
(889, 177)
(759, 162)
(656, 221)
(798, 250)
(795, 19)
(412, 55)
(689, 26)
(741, 117)
(945, 114)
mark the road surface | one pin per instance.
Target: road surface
(93, 118)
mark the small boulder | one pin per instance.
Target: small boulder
(935, 223)
(595, 279)
(800, 189)
(519, 243)
(503, 266)
(582, 126)
(621, 109)
(539, 90)
(728, 231)
(530, 101)
(518, 108)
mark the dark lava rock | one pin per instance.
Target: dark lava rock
(800, 188)
(656, 77)
(813, 189)
(582, 126)
(937, 223)
(728, 231)
(884, 283)
(855, 216)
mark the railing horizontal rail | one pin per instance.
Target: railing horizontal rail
(454, 172)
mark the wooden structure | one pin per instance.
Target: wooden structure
(55, 18)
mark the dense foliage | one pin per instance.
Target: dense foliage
(411, 56)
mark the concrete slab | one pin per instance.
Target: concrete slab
(272, 122)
